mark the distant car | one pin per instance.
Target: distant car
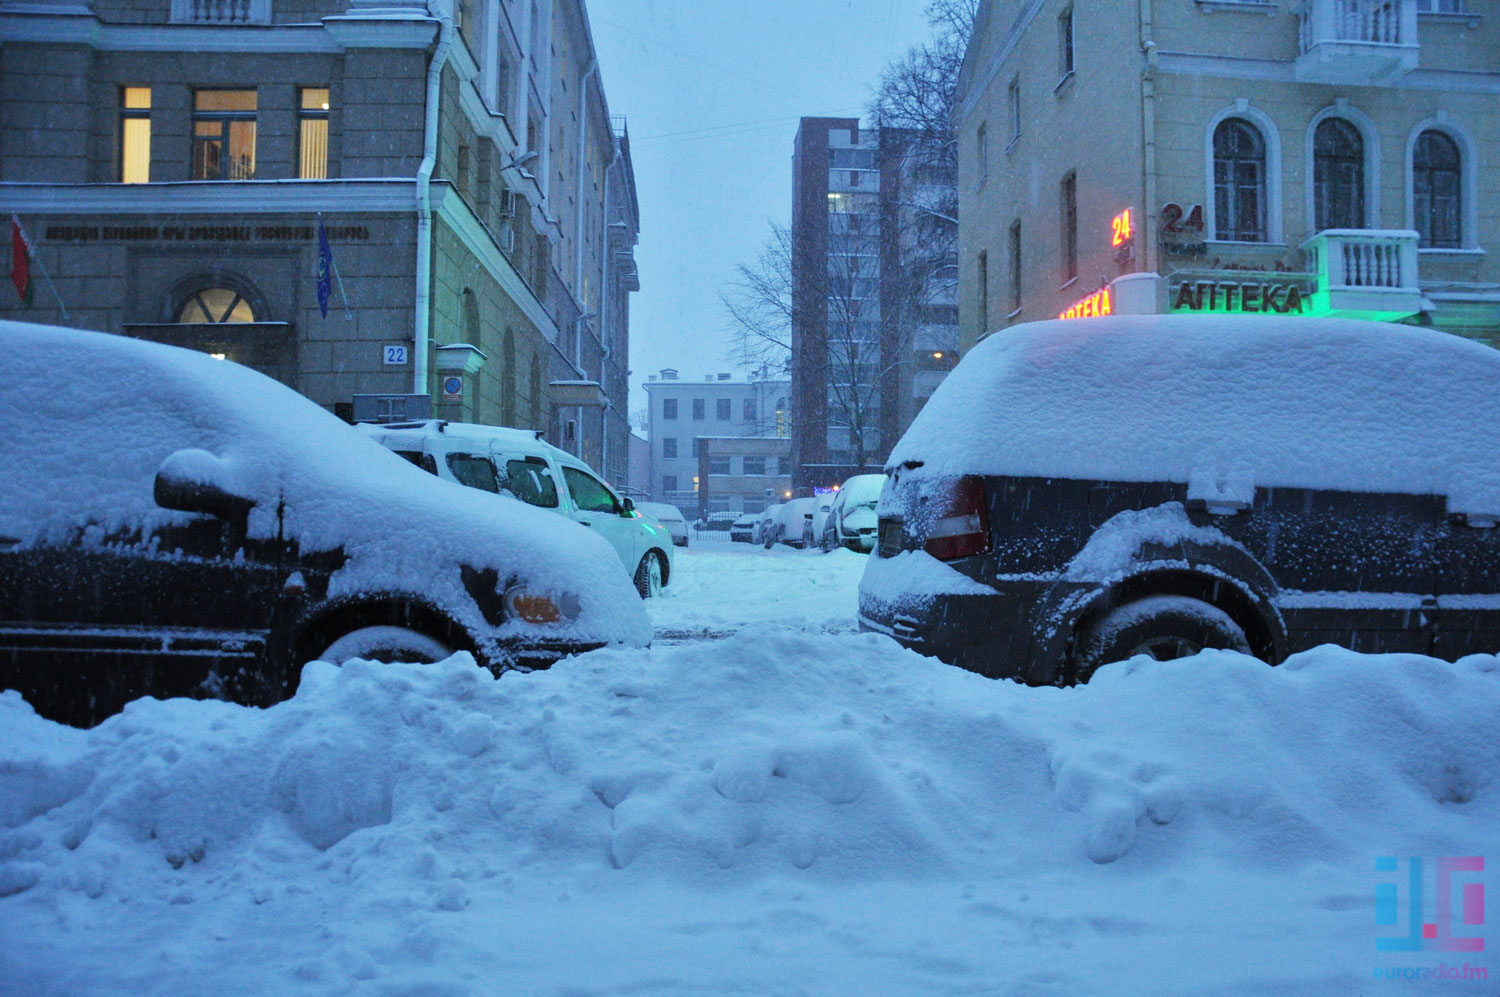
(1076, 493)
(763, 522)
(792, 525)
(185, 526)
(742, 530)
(669, 516)
(851, 521)
(716, 522)
(518, 463)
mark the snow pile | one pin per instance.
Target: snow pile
(769, 813)
(1227, 403)
(95, 440)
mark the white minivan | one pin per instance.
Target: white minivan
(520, 464)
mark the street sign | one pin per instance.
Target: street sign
(395, 354)
(453, 389)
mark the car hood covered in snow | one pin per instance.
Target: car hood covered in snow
(1225, 404)
(94, 416)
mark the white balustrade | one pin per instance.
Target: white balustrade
(221, 11)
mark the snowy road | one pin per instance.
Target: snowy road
(790, 808)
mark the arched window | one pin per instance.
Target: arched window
(1436, 191)
(536, 392)
(508, 378)
(214, 305)
(1239, 182)
(1338, 175)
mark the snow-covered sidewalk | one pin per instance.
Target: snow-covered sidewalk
(775, 812)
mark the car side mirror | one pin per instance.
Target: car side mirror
(197, 481)
(627, 506)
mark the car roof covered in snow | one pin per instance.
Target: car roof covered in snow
(411, 435)
(663, 511)
(1223, 403)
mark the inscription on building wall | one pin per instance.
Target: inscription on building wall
(202, 233)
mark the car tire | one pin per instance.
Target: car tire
(1163, 627)
(386, 644)
(648, 576)
(772, 535)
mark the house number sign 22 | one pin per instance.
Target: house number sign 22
(395, 354)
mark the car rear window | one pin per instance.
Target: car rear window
(474, 471)
(530, 480)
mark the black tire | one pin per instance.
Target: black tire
(648, 576)
(1163, 627)
(386, 643)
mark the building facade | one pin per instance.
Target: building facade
(874, 299)
(685, 411)
(1330, 157)
(175, 163)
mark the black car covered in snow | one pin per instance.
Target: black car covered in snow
(176, 525)
(1080, 492)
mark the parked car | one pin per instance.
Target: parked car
(764, 521)
(792, 525)
(742, 530)
(820, 516)
(518, 463)
(184, 526)
(668, 516)
(716, 522)
(851, 519)
(1081, 492)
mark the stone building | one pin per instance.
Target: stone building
(683, 412)
(171, 162)
(874, 299)
(1329, 157)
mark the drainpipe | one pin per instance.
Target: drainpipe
(604, 296)
(578, 219)
(1149, 251)
(424, 203)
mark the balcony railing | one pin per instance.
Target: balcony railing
(1365, 273)
(221, 11)
(1356, 41)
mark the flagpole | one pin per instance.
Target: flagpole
(348, 315)
(31, 254)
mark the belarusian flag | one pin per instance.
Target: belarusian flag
(20, 261)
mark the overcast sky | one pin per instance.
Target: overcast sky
(713, 90)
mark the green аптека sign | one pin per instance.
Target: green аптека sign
(1238, 296)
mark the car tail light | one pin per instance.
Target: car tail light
(960, 520)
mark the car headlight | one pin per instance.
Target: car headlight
(535, 606)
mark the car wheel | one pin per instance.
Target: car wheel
(648, 576)
(1163, 627)
(386, 644)
(772, 535)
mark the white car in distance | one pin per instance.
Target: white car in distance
(518, 463)
(669, 516)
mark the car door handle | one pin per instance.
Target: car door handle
(585, 522)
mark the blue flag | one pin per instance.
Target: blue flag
(325, 268)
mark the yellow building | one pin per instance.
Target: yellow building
(1327, 157)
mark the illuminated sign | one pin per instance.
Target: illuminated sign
(1096, 304)
(1238, 296)
(1121, 231)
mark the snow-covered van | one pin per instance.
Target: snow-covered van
(518, 463)
(1079, 492)
(851, 519)
(177, 525)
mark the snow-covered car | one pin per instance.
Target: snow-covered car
(519, 464)
(820, 516)
(668, 516)
(178, 525)
(1081, 492)
(716, 522)
(851, 520)
(764, 521)
(792, 525)
(742, 530)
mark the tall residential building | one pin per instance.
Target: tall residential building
(173, 162)
(874, 309)
(1328, 157)
(684, 412)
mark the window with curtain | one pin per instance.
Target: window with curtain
(1436, 196)
(312, 143)
(1338, 175)
(135, 134)
(1239, 182)
(224, 134)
